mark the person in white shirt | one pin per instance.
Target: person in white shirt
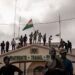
(13, 43)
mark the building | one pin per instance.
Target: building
(31, 59)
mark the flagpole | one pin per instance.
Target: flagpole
(33, 27)
(59, 28)
(19, 28)
(15, 17)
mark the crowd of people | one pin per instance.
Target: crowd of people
(55, 66)
(58, 65)
(67, 45)
(34, 37)
(5, 46)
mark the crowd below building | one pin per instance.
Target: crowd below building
(58, 65)
(34, 37)
(55, 66)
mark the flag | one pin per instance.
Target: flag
(28, 25)
(57, 34)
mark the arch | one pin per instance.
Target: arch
(38, 70)
(35, 68)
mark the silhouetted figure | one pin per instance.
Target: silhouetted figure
(39, 37)
(61, 43)
(31, 37)
(9, 69)
(69, 46)
(67, 63)
(25, 40)
(66, 46)
(44, 39)
(35, 36)
(19, 45)
(50, 38)
(13, 43)
(54, 66)
(2, 47)
(21, 40)
(7, 46)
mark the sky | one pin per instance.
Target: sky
(43, 13)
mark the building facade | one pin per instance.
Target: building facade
(30, 59)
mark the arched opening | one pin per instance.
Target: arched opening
(38, 70)
(35, 68)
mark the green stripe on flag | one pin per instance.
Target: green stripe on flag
(27, 26)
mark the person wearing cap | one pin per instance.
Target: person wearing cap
(9, 69)
(67, 63)
(55, 66)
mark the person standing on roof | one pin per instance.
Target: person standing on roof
(7, 46)
(2, 47)
(13, 43)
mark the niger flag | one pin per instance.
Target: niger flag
(28, 25)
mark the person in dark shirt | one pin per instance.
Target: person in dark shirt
(2, 47)
(66, 46)
(39, 37)
(54, 66)
(67, 63)
(44, 39)
(9, 69)
(35, 37)
(50, 38)
(31, 38)
(62, 42)
(25, 40)
(21, 41)
(69, 46)
(7, 46)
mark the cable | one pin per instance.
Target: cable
(45, 23)
(56, 21)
